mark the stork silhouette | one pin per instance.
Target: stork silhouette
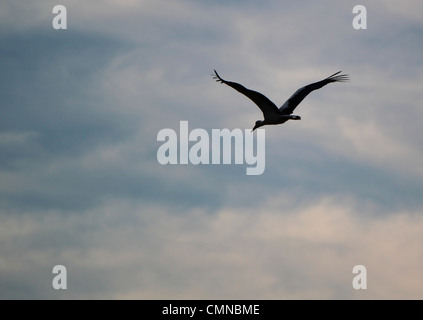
(272, 114)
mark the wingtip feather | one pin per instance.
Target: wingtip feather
(217, 77)
(337, 77)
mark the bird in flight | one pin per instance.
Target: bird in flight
(272, 114)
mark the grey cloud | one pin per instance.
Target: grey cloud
(80, 183)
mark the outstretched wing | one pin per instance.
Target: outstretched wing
(265, 105)
(289, 106)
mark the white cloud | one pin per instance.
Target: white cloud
(309, 252)
(273, 251)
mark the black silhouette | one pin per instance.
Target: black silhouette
(271, 113)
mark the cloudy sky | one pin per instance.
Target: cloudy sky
(80, 184)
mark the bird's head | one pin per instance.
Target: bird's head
(258, 124)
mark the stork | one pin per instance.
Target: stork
(272, 114)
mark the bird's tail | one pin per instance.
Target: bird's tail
(338, 78)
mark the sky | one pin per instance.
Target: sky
(81, 186)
